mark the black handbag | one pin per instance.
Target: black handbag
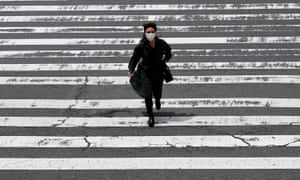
(136, 83)
(167, 74)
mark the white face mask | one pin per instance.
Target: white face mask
(150, 36)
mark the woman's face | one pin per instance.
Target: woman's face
(150, 33)
(149, 30)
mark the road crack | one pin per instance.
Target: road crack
(87, 142)
(241, 139)
(79, 93)
(288, 144)
(61, 122)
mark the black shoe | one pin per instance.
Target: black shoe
(157, 104)
(151, 121)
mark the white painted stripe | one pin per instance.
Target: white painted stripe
(151, 7)
(148, 141)
(128, 53)
(139, 103)
(135, 29)
(138, 163)
(173, 66)
(150, 17)
(124, 80)
(66, 53)
(161, 121)
(178, 163)
(131, 41)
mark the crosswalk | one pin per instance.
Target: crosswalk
(67, 110)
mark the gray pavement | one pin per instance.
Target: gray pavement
(254, 90)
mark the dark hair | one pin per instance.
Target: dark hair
(149, 24)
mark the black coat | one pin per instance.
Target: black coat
(152, 58)
(150, 69)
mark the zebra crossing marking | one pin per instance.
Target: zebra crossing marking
(135, 29)
(151, 7)
(123, 80)
(149, 163)
(171, 40)
(128, 53)
(139, 103)
(172, 65)
(149, 141)
(141, 121)
(151, 17)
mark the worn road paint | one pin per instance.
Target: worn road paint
(138, 103)
(149, 141)
(123, 80)
(161, 121)
(135, 29)
(128, 53)
(132, 41)
(172, 18)
(172, 66)
(151, 7)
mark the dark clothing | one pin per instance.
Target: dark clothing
(151, 57)
(150, 68)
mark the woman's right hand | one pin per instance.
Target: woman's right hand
(130, 74)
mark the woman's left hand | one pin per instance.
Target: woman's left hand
(130, 74)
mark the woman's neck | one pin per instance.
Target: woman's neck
(152, 43)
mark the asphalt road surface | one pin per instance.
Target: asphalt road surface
(67, 110)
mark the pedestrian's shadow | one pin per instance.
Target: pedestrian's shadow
(164, 117)
(161, 117)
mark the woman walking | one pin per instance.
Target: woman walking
(154, 53)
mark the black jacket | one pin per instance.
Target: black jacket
(152, 58)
